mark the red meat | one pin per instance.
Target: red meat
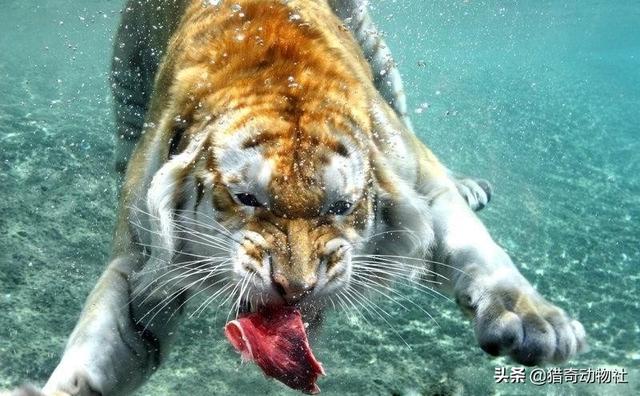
(276, 340)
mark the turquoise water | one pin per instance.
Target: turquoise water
(542, 98)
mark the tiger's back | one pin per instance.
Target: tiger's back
(148, 26)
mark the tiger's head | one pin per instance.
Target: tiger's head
(279, 212)
(275, 191)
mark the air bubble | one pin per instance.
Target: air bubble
(292, 82)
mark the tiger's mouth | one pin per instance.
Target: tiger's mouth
(312, 311)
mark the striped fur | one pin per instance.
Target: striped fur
(386, 75)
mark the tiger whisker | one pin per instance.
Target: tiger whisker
(186, 229)
(224, 279)
(222, 232)
(348, 306)
(174, 251)
(183, 264)
(169, 299)
(391, 256)
(184, 274)
(245, 288)
(226, 248)
(192, 236)
(375, 308)
(333, 305)
(402, 280)
(210, 299)
(357, 279)
(384, 261)
(237, 302)
(228, 233)
(386, 232)
(351, 306)
(353, 300)
(218, 269)
(231, 294)
(395, 269)
(173, 295)
(205, 236)
(219, 246)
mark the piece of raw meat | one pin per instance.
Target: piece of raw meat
(276, 340)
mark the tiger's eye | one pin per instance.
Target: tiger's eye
(339, 208)
(248, 200)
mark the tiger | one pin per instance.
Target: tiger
(268, 159)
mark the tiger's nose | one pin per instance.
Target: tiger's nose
(292, 291)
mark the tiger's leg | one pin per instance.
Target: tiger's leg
(129, 102)
(510, 317)
(387, 79)
(133, 66)
(110, 352)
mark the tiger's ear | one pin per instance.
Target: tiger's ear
(169, 186)
(408, 229)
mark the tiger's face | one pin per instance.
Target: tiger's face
(257, 210)
(296, 198)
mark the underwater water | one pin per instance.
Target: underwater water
(542, 98)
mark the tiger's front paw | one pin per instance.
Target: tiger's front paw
(68, 381)
(29, 390)
(523, 325)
